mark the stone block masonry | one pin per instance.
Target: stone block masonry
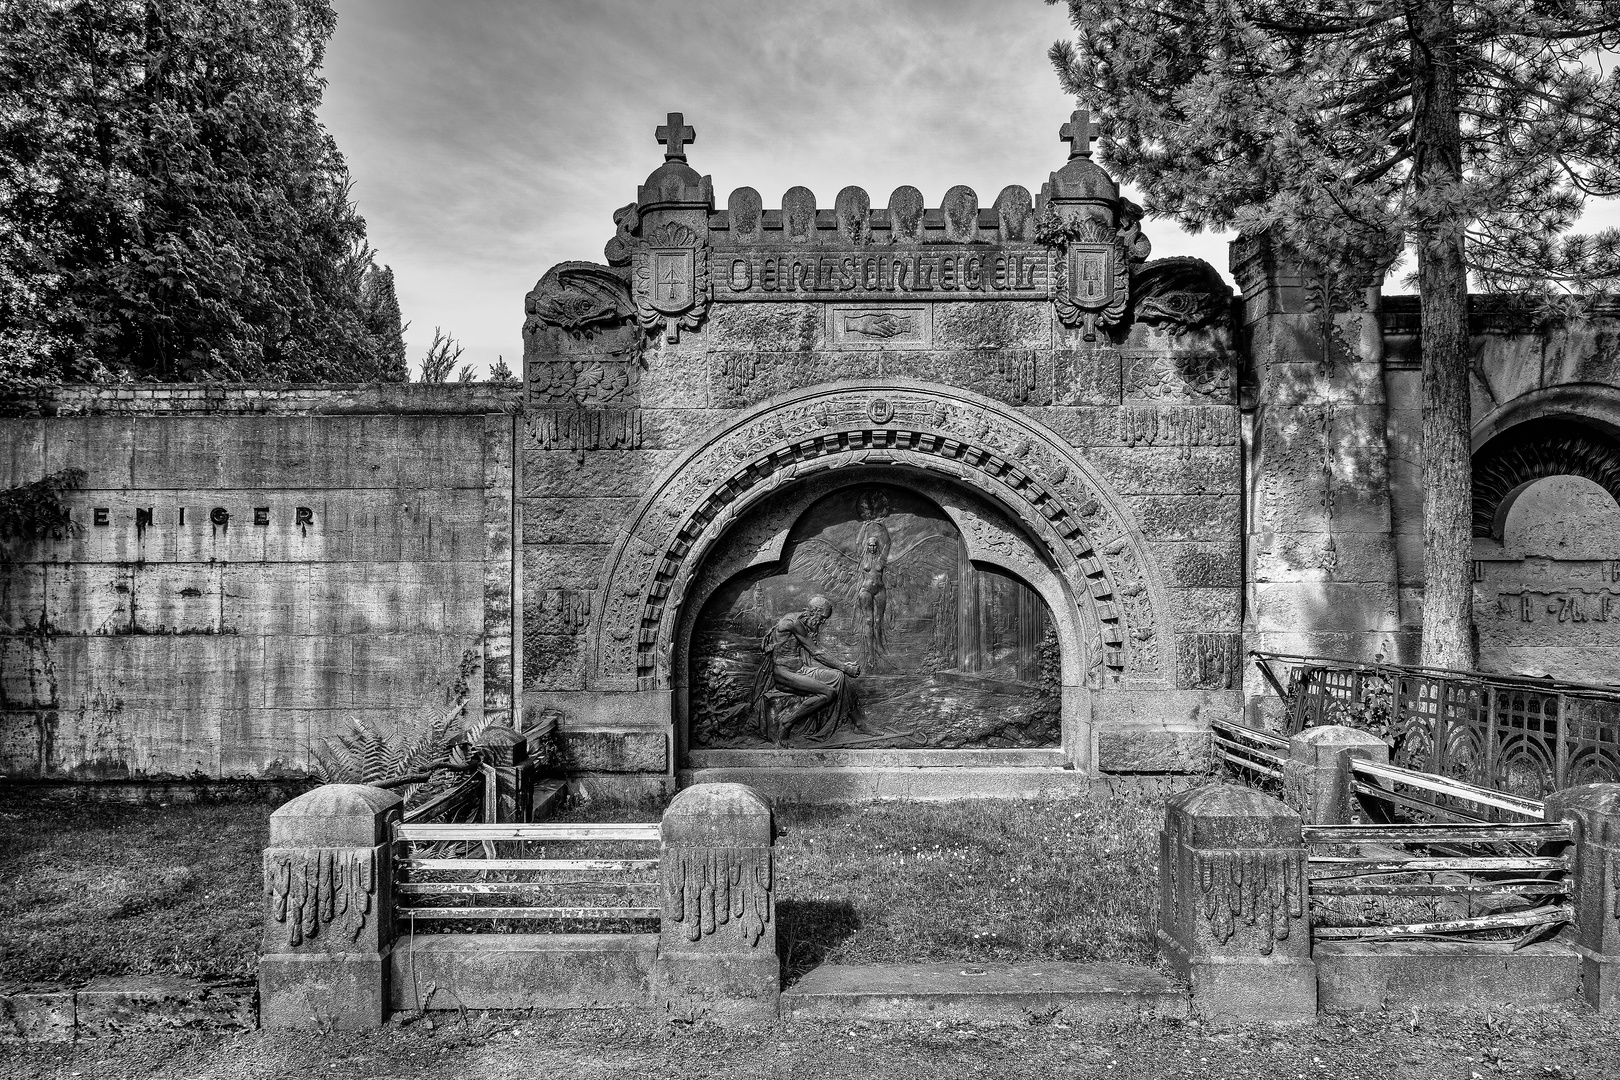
(252, 568)
(1066, 407)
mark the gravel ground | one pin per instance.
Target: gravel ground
(586, 1046)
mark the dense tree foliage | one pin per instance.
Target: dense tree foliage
(170, 205)
(1354, 130)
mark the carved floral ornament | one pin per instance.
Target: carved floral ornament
(1081, 526)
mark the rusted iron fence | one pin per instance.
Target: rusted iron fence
(1520, 736)
(471, 872)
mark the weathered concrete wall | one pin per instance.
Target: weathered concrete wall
(254, 568)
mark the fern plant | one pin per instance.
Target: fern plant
(433, 742)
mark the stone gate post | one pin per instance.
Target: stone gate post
(328, 924)
(717, 934)
(508, 754)
(1234, 914)
(1595, 810)
(1317, 773)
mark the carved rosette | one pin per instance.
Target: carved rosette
(317, 891)
(1026, 471)
(670, 279)
(1092, 279)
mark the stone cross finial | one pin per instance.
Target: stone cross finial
(1078, 133)
(674, 134)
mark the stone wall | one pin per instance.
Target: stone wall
(253, 568)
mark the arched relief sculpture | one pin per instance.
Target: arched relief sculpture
(874, 628)
(1010, 459)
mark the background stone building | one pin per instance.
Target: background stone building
(1048, 489)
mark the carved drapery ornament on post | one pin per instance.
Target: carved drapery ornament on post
(1263, 887)
(313, 889)
(707, 889)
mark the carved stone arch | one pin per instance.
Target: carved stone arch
(1018, 464)
(1549, 445)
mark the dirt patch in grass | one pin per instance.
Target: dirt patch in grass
(92, 889)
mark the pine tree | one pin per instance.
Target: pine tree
(383, 323)
(1352, 130)
(441, 357)
(501, 372)
(170, 205)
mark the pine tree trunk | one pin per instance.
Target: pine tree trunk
(1448, 638)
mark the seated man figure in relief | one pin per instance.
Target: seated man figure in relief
(794, 665)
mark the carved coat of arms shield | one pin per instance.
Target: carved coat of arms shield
(1091, 276)
(673, 274)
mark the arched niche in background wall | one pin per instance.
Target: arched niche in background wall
(1547, 551)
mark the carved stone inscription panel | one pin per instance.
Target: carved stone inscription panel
(874, 630)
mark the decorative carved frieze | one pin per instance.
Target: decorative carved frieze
(579, 430)
(1189, 376)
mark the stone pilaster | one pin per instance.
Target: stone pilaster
(1234, 913)
(1317, 773)
(1321, 574)
(328, 925)
(1595, 808)
(717, 936)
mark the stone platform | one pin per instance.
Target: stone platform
(1444, 975)
(980, 992)
(848, 783)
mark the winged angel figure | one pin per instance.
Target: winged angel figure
(863, 579)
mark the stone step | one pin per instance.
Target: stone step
(850, 783)
(981, 992)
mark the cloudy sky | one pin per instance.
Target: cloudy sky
(489, 140)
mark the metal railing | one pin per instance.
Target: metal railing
(1515, 735)
(436, 877)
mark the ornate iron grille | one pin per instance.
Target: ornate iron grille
(1522, 736)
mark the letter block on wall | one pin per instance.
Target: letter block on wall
(1234, 912)
(328, 926)
(717, 936)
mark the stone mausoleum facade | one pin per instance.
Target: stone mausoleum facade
(850, 500)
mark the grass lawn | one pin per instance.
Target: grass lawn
(90, 889)
(100, 889)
